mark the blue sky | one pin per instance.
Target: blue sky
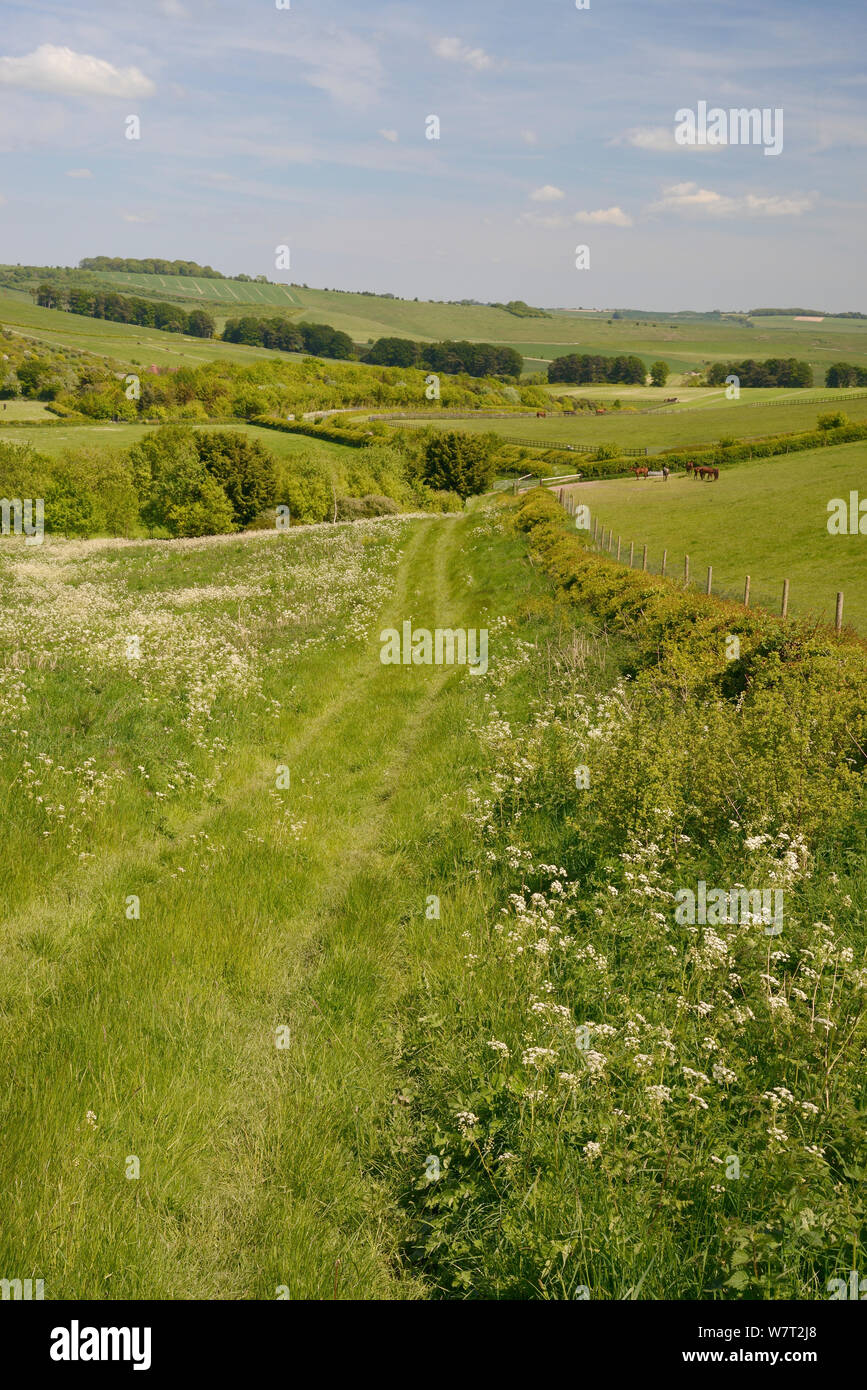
(306, 126)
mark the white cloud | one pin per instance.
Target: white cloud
(689, 198)
(548, 193)
(657, 138)
(79, 174)
(53, 69)
(610, 217)
(456, 52)
(529, 137)
(173, 9)
(135, 217)
(390, 135)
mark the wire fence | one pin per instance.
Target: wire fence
(636, 555)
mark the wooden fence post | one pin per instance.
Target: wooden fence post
(618, 549)
(785, 605)
(686, 569)
(631, 552)
(664, 561)
(709, 578)
(644, 559)
(747, 592)
(838, 620)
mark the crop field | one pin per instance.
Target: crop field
(766, 518)
(230, 294)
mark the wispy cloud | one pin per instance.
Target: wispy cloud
(457, 52)
(390, 135)
(79, 174)
(50, 68)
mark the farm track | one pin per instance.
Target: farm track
(272, 1144)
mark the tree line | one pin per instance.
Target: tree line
(319, 339)
(845, 374)
(774, 371)
(121, 308)
(151, 266)
(581, 367)
(473, 359)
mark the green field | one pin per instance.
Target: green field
(766, 518)
(123, 342)
(653, 430)
(61, 437)
(687, 344)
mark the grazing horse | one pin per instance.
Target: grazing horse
(705, 471)
(641, 472)
(690, 467)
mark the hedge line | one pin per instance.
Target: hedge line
(767, 448)
(353, 437)
(685, 630)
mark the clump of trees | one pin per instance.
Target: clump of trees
(459, 462)
(774, 371)
(845, 374)
(474, 359)
(121, 308)
(319, 339)
(581, 367)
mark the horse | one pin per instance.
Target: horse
(690, 467)
(705, 471)
(641, 472)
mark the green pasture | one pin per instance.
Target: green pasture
(766, 519)
(54, 441)
(660, 431)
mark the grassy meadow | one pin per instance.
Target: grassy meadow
(322, 978)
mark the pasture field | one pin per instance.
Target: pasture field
(656, 430)
(297, 947)
(766, 518)
(61, 437)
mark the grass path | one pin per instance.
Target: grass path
(252, 1175)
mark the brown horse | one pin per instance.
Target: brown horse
(641, 472)
(705, 471)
